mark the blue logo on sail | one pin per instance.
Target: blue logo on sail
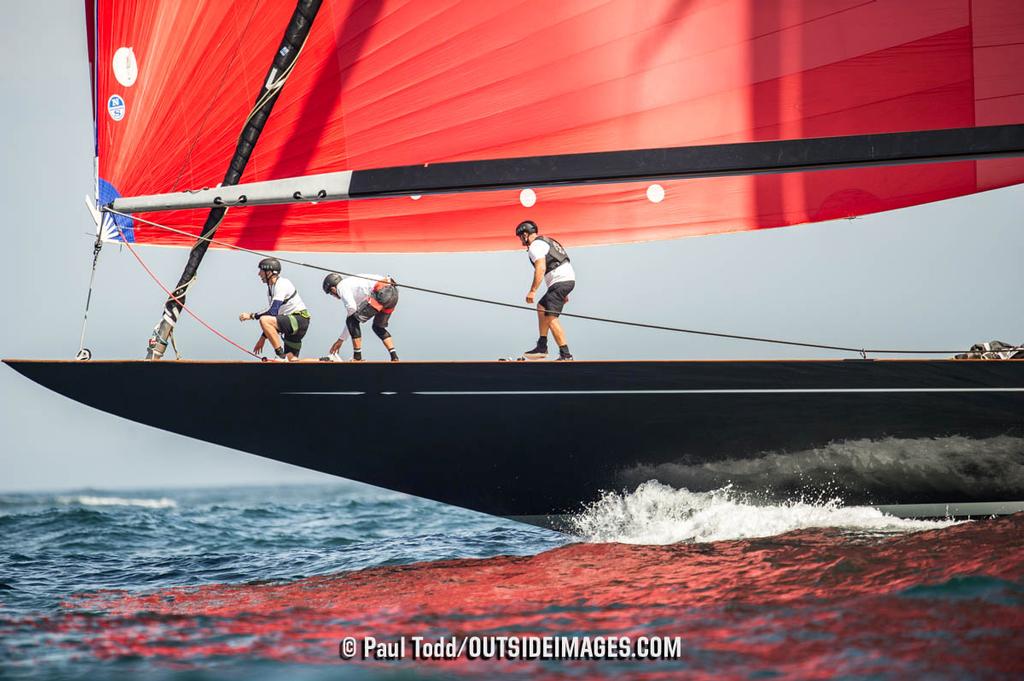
(111, 223)
(115, 107)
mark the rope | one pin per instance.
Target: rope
(863, 352)
(88, 299)
(171, 295)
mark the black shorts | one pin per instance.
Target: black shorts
(293, 327)
(556, 297)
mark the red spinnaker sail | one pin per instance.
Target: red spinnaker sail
(396, 82)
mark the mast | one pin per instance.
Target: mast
(284, 60)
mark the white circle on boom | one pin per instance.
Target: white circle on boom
(126, 68)
(655, 193)
(527, 197)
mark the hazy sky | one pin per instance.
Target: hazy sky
(944, 275)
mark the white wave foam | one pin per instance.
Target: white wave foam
(85, 500)
(658, 514)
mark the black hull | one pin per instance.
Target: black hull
(539, 439)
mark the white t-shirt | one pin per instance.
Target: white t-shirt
(564, 272)
(355, 291)
(281, 289)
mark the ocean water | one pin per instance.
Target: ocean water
(267, 582)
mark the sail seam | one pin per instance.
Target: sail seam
(187, 161)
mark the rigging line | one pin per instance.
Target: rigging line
(171, 295)
(92, 278)
(605, 320)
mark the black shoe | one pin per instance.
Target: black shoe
(537, 353)
(564, 357)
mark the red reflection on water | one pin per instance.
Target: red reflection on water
(812, 603)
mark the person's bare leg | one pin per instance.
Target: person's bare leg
(357, 344)
(543, 322)
(389, 344)
(270, 330)
(556, 330)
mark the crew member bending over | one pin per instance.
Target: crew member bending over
(287, 315)
(364, 296)
(550, 264)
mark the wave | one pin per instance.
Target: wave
(656, 513)
(740, 607)
(86, 500)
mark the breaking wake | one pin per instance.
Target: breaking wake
(659, 514)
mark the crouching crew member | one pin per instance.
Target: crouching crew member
(287, 315)
(550, 264)
(364, 296)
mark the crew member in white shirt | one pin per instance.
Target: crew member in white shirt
(550, 265)
(285, 317)
(364, 296)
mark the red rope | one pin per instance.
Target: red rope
(178, 300)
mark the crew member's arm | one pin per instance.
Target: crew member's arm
(273, 310)
(349, 301)
(341, 339)
(539, 268)
(275, 307)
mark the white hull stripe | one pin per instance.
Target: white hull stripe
(752, 391)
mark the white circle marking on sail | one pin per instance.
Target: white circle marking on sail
(527, 197)
(655, 193)
(126, 68)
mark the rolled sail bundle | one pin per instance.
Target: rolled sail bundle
(993, 350)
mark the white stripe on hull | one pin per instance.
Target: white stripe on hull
(740, 391)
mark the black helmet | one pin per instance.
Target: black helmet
(330, 281)
(270, 265)
(525, 227)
